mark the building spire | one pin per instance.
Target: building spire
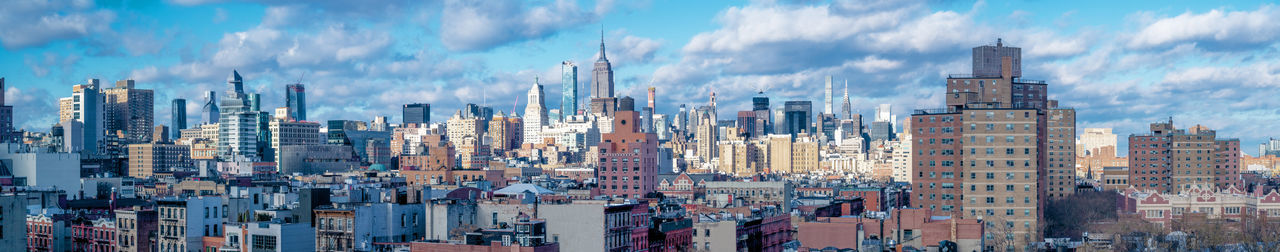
(602, 57)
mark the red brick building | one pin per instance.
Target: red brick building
(97, 235)
(936, 156)
(1168, 159)
(628, 158)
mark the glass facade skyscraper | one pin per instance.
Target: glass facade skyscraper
(179, 117)
(416, 113)
(568, 89)
(296, 100)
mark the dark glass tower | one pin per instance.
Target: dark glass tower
(179, 118)
(798, 115)
(296, 100)
(419, 113)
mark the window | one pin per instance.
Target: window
(263, 242)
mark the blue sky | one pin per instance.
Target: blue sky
(1122, 64)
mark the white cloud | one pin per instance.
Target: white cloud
(334, 44)
(472, 26)
(1216, 26)
(36, 23)
(872, 64)
(937, 31)
(744, 27)
(1261, 74)
(632, 50)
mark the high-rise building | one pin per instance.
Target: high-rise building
(1061, 148)
(798, 117)
(535, 114)
(568, 89)
(682, 121)
(6, 118)
(505, 132)
(747, 123)
(85, 106)
(296, 101)
(460, 127)
(707, 136)
(987, 60)
(764, 119)
(828, 97)
(129, 110)
(1270, 147)
(631, 158)
(847, 108)
(882, 128)
(1093, 139)
(649, 110)
(988, 153)
(289, 133)
(179, 116)
(238, 126)
(419, 113)
(1170, 160)
(209, 111)
(477, 111)
(884, 113)
(826, 127)
(602, 74)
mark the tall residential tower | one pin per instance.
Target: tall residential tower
(568, 89)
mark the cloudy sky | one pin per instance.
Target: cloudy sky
(1121, 64)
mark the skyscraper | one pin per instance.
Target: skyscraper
(828, 98)
(568, 89)
(419, 113)
(209, 111)
(602, 75)
(179, 116)
(649, 110)
(129, 110)
(238, 126)
(296, 100)
(847, 112)
(682, 121)
(6, 118)
(764, 119)
(535, 115)
(798, 116)
(882, 127)
(84, 106)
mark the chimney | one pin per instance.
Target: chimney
(1006, 67)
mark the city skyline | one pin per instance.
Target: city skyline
(1123, 67)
